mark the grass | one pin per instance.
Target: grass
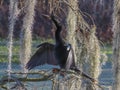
(107, 49)
(16, 49)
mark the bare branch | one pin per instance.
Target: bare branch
(47, 75)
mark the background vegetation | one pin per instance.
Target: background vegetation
(97, 16)
(98, 10)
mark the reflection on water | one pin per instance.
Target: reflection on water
(106, 78)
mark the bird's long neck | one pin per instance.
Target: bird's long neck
(58, 37)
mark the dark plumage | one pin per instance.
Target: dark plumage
(59, 54)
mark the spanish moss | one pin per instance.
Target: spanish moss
(26, 32)
(12, 18)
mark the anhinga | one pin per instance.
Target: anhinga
(59, 54)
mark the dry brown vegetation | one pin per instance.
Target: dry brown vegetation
(98, 10)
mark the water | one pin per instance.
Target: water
(106, 78)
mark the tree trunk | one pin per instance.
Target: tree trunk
(85, 39)
(116, 43)
(26, 35)
(71, 37)
(72, 24)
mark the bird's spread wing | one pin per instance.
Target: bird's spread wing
(70, 59)
(44, 55)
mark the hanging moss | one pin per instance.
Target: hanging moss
(26, 32)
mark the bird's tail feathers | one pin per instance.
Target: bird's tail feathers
(83, 74)
(87, 76)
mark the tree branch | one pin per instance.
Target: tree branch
(46, 76)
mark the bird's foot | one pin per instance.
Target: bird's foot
(61, 72)
(56, 70)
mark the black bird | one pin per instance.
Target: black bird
(59, 54)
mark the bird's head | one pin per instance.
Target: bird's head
(57, 23)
